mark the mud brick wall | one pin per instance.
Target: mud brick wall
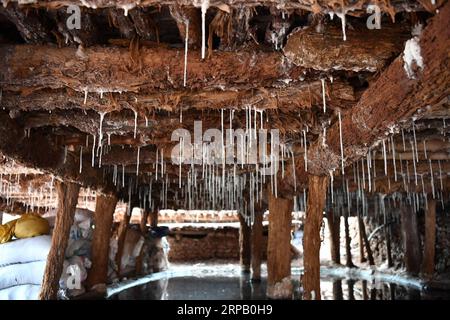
(199, 244)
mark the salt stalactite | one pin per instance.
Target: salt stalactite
(393, 158)
(425, 149)
(331, 186)
(109, 138)
(368, 171)
(306, 151)
(363, 175)
(324, 137)
(157, 153)
(432, 178)
(100, 129)
(186, 47)
(343, 23)
(440, 174)
(204, 8)
(414, 161)
(135, 123)
(323, 96)
(85, 96)
(93, 152)
(385, 158)
(340, 140)
(81, 158)
(293, 171)
(180, 161)
(137, 160)
(415, 142)
(403, 139)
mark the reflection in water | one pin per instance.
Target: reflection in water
(205, 285)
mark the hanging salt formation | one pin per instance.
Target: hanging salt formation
(323, 96)
(135, 123)
(306, 151)
(137, 165)
(93, 151)
(204, 8)
(342, 16)
(100, 129)
(85, 96)
(81, 158)
(186, 47)
(340, 140)
(432, 178)
(385, 158)
(393, 158)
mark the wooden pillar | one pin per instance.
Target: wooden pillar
(144, 219)
(411, 243)
(257, 249)
(121, 234)
(154, 218)
(365, 241)
(348, 239)
(362, 257)
(67, 202)
(317, 189)
(334, 227)
(245, 248)
(1, 217)
(104, 211)
(430, 238)
(279, 248)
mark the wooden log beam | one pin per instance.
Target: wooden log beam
(324, 6)
(245, 245)
(143, 70)
(317, 189)
(430, 238)
(104, 211)
(67, 202)
(296, 97)
(279, 284)
(257, 247)
(40, 152)
(376, 114)
(364, 49)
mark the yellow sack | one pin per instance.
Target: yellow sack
(7, 231)
(29, 225)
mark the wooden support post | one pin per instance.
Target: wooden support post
(121, 234)
(154, 218)
(144, 219)
(362, 257)
(334, 227)
(279, 284)
(257, 239)
(365, 241)
(411, 243)
(104, 211)
(348, 239)
(430, 238)
(317, 189)
(245, 249)
(67, 202)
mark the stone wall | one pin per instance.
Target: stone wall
(201, 243)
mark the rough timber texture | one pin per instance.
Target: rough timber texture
(245, 245)
(376, 114)
(67, 202)
(317, 188)
(364, 49)
(411, 241)
(279, 247)
(430, 239)
(257, 246)
(104, 210)
(113, 69)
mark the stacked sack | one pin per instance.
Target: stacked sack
(22, 265)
